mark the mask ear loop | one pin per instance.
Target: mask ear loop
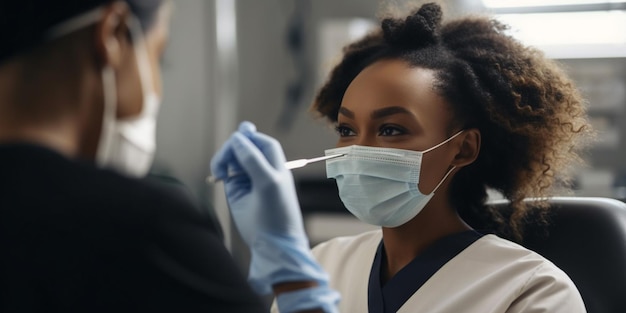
(453, 167)
(143, 64)
(109, 89)
(74, 24)
(443, 142)
(443, 179)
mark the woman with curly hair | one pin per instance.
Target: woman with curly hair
(429, 116)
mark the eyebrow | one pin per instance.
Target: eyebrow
(384, 112)
(346, 112)
(378, 114)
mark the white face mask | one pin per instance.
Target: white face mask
(126, 145)
(380, 185)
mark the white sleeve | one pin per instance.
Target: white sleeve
(548, 290)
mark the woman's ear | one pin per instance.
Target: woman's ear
(469, 149)
(111, 34)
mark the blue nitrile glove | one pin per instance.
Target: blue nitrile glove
(264, 205)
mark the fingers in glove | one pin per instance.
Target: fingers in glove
(247, 128)
(250, 157)
(224, 162)
(270, 147)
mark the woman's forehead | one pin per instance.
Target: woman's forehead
(393, 82)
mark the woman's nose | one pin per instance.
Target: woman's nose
(366, 140)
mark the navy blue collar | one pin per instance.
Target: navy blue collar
(393, 294)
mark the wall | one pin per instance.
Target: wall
(184, 141)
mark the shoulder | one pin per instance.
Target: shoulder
(348, 244)
(502, 246)
(145, 196)
(507, 276)
(499, 258)
(537, 281)
(106, 198)
(342, 255)
(78, 188)
(348, 262)
(504, 254)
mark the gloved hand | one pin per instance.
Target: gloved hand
(259, 189)
(264, 206)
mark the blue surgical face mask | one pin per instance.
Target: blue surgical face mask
(379, 185)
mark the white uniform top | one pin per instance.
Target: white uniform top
(490, 275)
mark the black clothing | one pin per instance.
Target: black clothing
(74, 238)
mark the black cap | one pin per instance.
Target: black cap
(24, 23)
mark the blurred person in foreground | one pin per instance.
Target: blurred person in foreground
(79, 231)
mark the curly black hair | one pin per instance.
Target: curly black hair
(532, 119)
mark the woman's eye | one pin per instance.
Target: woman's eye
(344, 131)
(391, 131)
